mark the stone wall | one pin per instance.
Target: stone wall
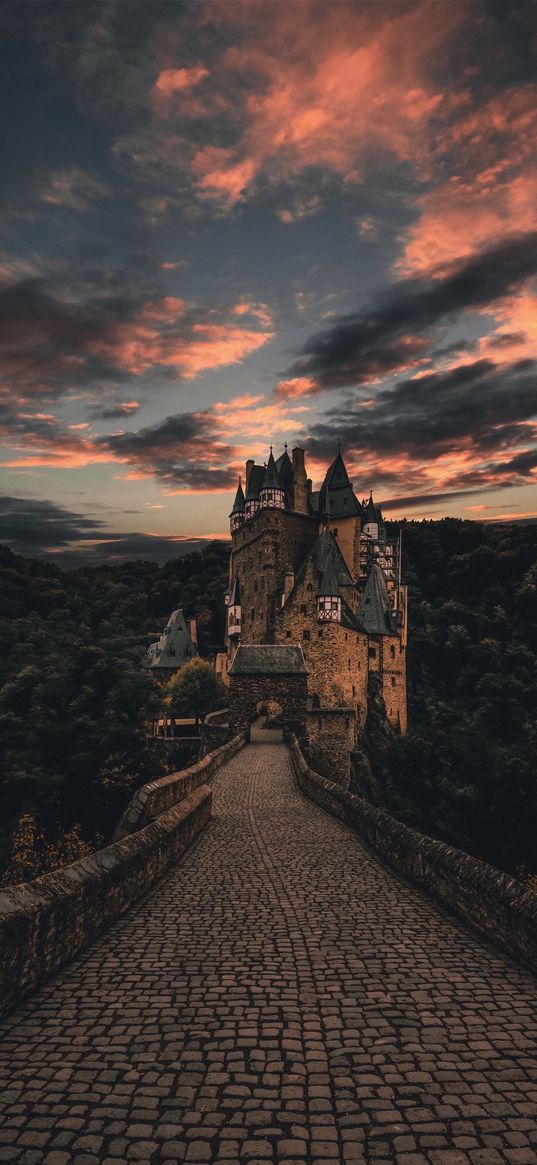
(261, 551)
(330, 735)
(159, 796)
(500, 907)
(45, 923)
(290, 692)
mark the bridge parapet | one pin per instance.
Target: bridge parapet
(159, 796)
(500, 907)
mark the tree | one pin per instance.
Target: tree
(195, 690)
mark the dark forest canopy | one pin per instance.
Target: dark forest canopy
(73, 698)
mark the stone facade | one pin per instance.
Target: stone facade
(317, 570)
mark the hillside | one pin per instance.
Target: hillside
(72, 697)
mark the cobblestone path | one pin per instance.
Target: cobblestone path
(280, 997)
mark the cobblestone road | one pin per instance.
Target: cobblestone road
(280, 997)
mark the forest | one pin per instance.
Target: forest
(73, 700)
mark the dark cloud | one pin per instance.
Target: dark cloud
(430, 415)
(363, 346)
(39, 528)
(181, 450)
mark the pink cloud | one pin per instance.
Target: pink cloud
(171, 81)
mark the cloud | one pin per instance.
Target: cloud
(123, 409)
(40, 528)
(74, 189)
(52, 339)
(473, 426)
(395, 333)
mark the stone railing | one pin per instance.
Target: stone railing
(44, 923)
(159, 796)
(500, 907)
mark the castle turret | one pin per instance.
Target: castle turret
(272, 493)
(329, 596)
(238, 512)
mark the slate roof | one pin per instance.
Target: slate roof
(255, 481)
(271, 479)
(336, 495)
(268, 659)
(324, 550)
(375, 612)
(284, 466)
(174, 648)
(373, 513)
(238, 504)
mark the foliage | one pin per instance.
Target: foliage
(195, 690)
(466, 770)
(73, 699)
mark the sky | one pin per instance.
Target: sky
(231, 224)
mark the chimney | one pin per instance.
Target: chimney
(249, 467)
(192, 627)
(300, 486)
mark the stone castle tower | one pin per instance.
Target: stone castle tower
(314, 570)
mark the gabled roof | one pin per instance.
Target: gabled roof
(255, 481)
(238, 504)
(271, 479)
(175, 646)
(268, 659)
(375, 612)
(336, 474)
(235, 593)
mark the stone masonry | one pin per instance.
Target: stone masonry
(279, 997)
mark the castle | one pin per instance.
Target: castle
(313, 574)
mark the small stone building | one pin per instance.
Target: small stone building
(176, 646)
(269, 673)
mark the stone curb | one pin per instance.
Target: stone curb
(495, 904)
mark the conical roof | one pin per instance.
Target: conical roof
(336, 496)
(284, 466)
(372, 512)
(272, 478)
(238, 504)
(375, 611)
(329, 584)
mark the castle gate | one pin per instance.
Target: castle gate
(269, 672)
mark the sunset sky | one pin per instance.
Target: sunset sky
(230, 224)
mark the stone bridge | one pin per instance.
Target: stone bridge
(281, 997)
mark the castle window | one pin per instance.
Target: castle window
(287, 634)
(394, 681)
(350, 665)
(252, 613)
(346, 637)
(353, 690)
(320, 633)
(255, 585)
(329, 609)
(309, 588)
(392, 652)
(372, 653)
(305, 634)
(303, 608)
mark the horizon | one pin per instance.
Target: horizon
(224, 230)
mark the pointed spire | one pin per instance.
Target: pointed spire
(329, 584)
(238, 504)
(271, 479)
(375, 611)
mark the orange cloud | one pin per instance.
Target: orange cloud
(171, 81)
(164, 333)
